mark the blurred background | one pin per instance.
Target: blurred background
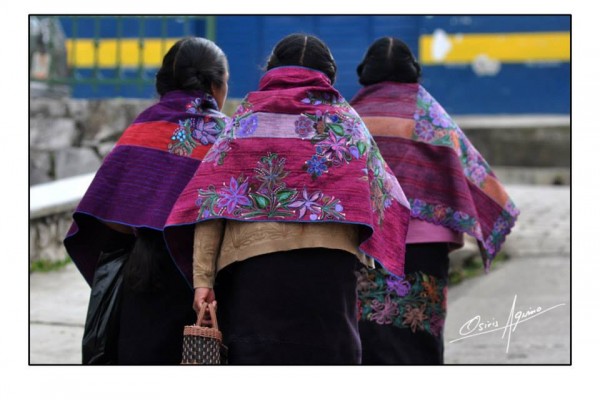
(506, 80)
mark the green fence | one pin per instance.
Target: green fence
(106, 54)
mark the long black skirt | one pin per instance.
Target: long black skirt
(290, 308)
(152, 318)
(402, 320)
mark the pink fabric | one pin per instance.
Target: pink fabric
(295, 151)
(420, 231)
(447, 181)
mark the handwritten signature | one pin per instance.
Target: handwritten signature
(475, 326)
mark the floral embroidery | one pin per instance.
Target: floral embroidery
(414, 317)
(245, 107)
(462, 222)
(267, 195)
(340, 138)
(304, 127)
(218, 151)
(245, 126)
(445, 216)
(308, 203)
(501, 229)
(244, 123)
(416, 302)
(316, 166)
(382, 188)
(398, 285)
(234, 195)
(384, 312)
(434, 126)
(335, 136)
(511, 208)
(318, 98)
(201, 129)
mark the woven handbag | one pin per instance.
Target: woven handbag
(203, 345)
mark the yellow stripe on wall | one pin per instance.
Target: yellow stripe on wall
(503, 47)
(81, 53)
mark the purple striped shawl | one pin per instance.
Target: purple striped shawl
(446, 180)
(140, 179)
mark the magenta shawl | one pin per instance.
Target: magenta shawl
(446, 180)
(296, 152)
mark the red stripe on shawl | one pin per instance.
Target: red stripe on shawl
(156, 135)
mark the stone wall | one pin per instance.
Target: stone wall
(46, 235)
(69, 137)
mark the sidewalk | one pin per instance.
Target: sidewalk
(538, 273)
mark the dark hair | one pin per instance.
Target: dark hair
(192, 64)
(305, 51)
(388, 59)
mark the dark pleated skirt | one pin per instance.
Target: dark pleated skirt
(401, 322)
(290, 308)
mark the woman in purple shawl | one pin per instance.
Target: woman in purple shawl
(452, 191)
(282, 210)
(126, 206)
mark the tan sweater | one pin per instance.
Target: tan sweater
(218, 243)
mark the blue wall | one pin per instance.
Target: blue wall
(518, 88)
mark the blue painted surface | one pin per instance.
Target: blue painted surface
(515, 90)
(496, 23)
(248, 40)
(85, 27)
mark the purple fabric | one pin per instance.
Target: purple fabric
(179, 100)
(143, 175)
(446, 180)
(136, 187)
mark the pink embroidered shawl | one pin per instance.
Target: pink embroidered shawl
(295, 152)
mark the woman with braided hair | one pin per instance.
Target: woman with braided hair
(452, 191)
(126, 206)
(289, 201)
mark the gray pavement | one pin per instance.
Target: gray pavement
(537, 273)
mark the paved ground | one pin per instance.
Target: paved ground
(538, 274)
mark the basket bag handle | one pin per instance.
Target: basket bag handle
(213, 315)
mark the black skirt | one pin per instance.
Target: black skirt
(402, 320)
(152, 317)
(290, 308)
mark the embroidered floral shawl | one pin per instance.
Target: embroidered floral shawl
(140, 179)
(446, 180)
(296, 152)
